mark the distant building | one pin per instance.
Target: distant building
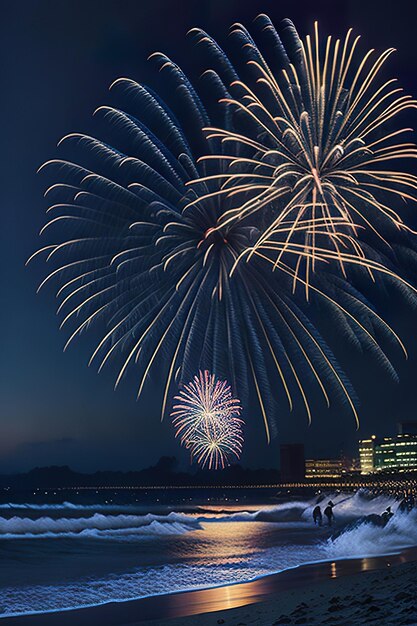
(292, 462)
(396, 453)
(367, 455)
(323, 468)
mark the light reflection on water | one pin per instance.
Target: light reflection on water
(39, 574)
(239, 595)
(125, 554)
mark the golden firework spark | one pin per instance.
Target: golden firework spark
(321, 139)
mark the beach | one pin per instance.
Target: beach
(76, 564)
(350, 592)
(385, 597)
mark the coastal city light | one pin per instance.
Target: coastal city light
(379, 454)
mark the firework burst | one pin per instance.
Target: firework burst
(145, 247)
(128, 259)
(206, 419)
(318, 148)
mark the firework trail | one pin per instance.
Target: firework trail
(206, 419)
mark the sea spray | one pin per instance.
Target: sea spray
(365, 537)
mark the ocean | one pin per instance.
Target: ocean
(69, 554)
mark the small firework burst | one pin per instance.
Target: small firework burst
(207, 421)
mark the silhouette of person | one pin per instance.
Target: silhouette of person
(317, 517)
(328, 511)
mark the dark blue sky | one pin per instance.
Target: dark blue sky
(58, 59)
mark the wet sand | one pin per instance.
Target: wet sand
(383, 598)
(352, 592)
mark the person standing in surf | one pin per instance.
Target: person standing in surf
(328, 511)
(317, 516)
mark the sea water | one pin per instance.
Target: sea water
(64, 555)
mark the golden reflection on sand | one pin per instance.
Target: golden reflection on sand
(220, 598)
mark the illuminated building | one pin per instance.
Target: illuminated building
(292, 462)
(396, 453)
(367, 455)
(323, 468)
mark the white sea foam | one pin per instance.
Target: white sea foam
(361, 503)
(366, 538)
(347, 506)
(97, 525)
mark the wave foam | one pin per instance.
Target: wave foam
(97, 525)
(347, 506)
(366, 538)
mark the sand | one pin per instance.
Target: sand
(385, 597)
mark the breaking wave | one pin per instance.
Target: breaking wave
(366, 538)
(105, 523)
(96, 526)
(347, 507)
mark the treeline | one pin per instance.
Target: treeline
(164, 473)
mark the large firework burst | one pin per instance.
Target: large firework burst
(206, 419)
(315, 123)
(144, 251)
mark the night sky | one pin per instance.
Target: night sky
(58, 59)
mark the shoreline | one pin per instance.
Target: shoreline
(183, 604)
(384, 597)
